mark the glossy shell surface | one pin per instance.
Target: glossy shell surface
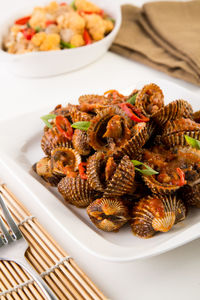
(156, 213)
(122, 181)
(64, 159)
(175, 131)
(108, 214)
(76, 191)
(76, 115)
(51, 139)
(80, 142)
(150, 99)
(189, 159)
(133, 146)
(43, 169)
(99, 127)
(191, 194)
(174, 110)
(95, 171)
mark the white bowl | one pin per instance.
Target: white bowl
(49, 63)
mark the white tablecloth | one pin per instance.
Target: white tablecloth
(174, 275)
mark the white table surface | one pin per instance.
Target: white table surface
(174, 275)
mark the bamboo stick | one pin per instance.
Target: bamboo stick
(67, 280)
(15, 280)
(25, 277)
(3, 286)
(63, 253)
(7, 286)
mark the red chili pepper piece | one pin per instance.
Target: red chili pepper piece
(133, 112)
(87, 37)
(23, 20)
(50, 22)
(28, 33)
(82, 169)
(101, 12)
(63, 3)
(181, 174)
(64, 126)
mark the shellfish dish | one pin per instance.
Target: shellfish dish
(129, 160)
(58, 26)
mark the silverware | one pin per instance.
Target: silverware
(13, 247)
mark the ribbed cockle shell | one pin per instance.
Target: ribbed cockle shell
(122, 181)
(101, 137)
(96, 171)
(43, 169)
(150, 99)
(108, 214)
(185, 158)
(76, 191)
(77, 115)
(174, 110)
(196, 116)
(64, 160)
(175, 131)
(133, 146)
(156, 213)
(92, 103)
(80, 142)
(51, 139)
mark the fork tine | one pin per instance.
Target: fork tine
(5, 231)
(9, 218)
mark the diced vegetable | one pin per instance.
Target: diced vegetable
(23, 20)
(86, 37)
(50, 22)
(28, 33)
(73, 5)
(65, 45)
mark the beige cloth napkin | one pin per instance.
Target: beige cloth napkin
(163, 35)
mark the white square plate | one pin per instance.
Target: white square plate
(20, 149)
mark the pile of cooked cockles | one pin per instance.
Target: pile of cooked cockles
(127, 159)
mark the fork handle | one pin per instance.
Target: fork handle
(44, 287)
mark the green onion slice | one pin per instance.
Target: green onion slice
(82, 125)
(132, 99)
(65, 45)
(148, 171)
(46, 119)
(73, 5)
(192, 142)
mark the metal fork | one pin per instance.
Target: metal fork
(13, 247)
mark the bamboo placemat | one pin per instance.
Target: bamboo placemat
(56, 267)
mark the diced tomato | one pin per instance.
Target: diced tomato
(101, 12)
(50, 22)
(28, 33)
(23, 20)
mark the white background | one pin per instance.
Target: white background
(174, 275)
